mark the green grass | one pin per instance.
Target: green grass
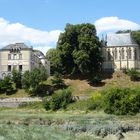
(20, 93)
(19, 124)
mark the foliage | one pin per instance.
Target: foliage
(42, 90)
(31, 79)
(6, 85)
(123, 31)
(53, 56)
(59, 100)
(136, 36)
(16, 78)
(122, 101)
(95, 79)
(26, 80)
(78, 50)
(134, 75)
(93, 103)
(97, 101)
(57, 81)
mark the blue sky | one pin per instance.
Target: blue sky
(30, 20)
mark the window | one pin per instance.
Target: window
(9, 67)
(129, 53)
(20, 67)
(9, 56)
(15, 57)
(116, 53)
(135, 54)
(20, 56)
(109, 55)
(122, 53)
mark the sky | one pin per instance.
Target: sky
(39, 22)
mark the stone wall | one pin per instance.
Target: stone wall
(15, 102)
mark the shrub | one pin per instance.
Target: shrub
(122, 101)
(16, 78)
(6, 85)
(96, 103)
(134, 75)
(59, 100)
(42, 90)
(93, 103)
(96, 80)
(31, 79)
(57, 81)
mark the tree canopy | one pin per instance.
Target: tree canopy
(53, 56)
(78, 50)
(136, 36)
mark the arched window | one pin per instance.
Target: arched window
(129, 53)
(115, 53)
(122, 53)
(109, 55)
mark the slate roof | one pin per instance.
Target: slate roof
(122, 39)
(16, 45)
(39, 54)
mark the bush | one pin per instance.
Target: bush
(42, 90)
(134, 75)
(59, 100)
(31, 79)
(16, 78)
(122, 101)
(6, 85)
(57, 81)
(96, 80)
(93, 103)
(96, 103)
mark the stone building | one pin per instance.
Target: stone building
(22, 58)
(120, 52)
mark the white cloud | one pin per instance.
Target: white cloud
(107, 24)
(16, 32)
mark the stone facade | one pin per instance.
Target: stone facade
(20, 57)
(120, 52)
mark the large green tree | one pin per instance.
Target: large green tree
(53, 56)
(79, 50)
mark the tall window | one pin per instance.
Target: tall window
(109, 55)
(15, 57)
(116, 53)
(122, 53)
(129, 53)
(20, 56)
(9, 67)
(135, 54)
(20, 67)
(9, 56)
